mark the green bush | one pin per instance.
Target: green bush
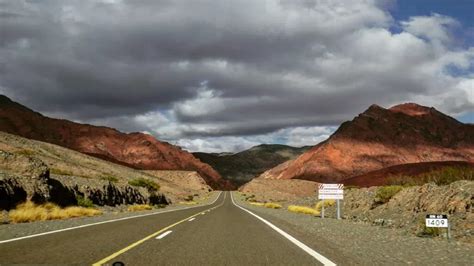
(112, 179)
(427, 231)
(384, 194)
(142, 182)
(84, 202)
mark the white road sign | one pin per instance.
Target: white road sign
(331, 191)
(437, 220)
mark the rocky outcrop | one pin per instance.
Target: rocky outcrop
(379, 138)
(407, 208)
(138, 150)
(24, 178)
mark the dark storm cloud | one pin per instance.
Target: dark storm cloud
(222, 68)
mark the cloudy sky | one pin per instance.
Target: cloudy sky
(226, 75)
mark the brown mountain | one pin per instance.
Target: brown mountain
(379, 138)
(415, 174)
(243, 166)
(138, 150)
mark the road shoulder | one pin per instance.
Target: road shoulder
(12, 231)
(347, 242)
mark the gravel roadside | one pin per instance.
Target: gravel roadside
(9, 231)
(350, 243)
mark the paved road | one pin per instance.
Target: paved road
(217, 234)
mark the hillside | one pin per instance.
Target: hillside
(47, 172)
(243, 166)
(137, 150)
(415, 174)
(379, 138)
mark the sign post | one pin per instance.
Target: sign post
(439, 221)
(331, 191)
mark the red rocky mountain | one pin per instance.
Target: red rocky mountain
(137, 150)
(379, 138)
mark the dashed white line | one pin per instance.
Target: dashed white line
(192, 219)
(104, 222)
(164, 234)
(295, 241)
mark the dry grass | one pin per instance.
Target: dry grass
(326, 203)
(302, 209)
(271, 205)
(139, 207)
(256, 204)
(30, 212)
(58, 171)
(188, 202)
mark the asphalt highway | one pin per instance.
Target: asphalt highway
(221, 233)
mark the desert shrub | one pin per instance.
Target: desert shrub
(302, 209)
(84, 202)
(139, 207)
(142, 182)
(427, 231)
(327, 203)
(385, 193)
(57, 171)
(75, 211)
(30, 212)
(110, 178)
(271, 205)
(250, 198)
(189, 198)
(188, 202)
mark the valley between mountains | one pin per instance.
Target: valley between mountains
(62, 181)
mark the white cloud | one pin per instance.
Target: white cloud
(308, 136)
(229, 74)
(436, 27)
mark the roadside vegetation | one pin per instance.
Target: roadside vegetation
(326, 203)
(272, 205)
(427, 231)
(385, 193)
(139, 207)
(189, 200)
(303, 209)
(31, 212)
(146, 183)
(444, 176)
(84, 202)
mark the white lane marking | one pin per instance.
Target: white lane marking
(164, 234)
(104, 222)
(295, 241)
(192, 219)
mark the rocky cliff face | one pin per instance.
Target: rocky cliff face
(137, 150)
(25, 178)
(380, 138)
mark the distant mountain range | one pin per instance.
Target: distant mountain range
(380, 138)
(398, 140)
(137, 150)
(244, 166)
